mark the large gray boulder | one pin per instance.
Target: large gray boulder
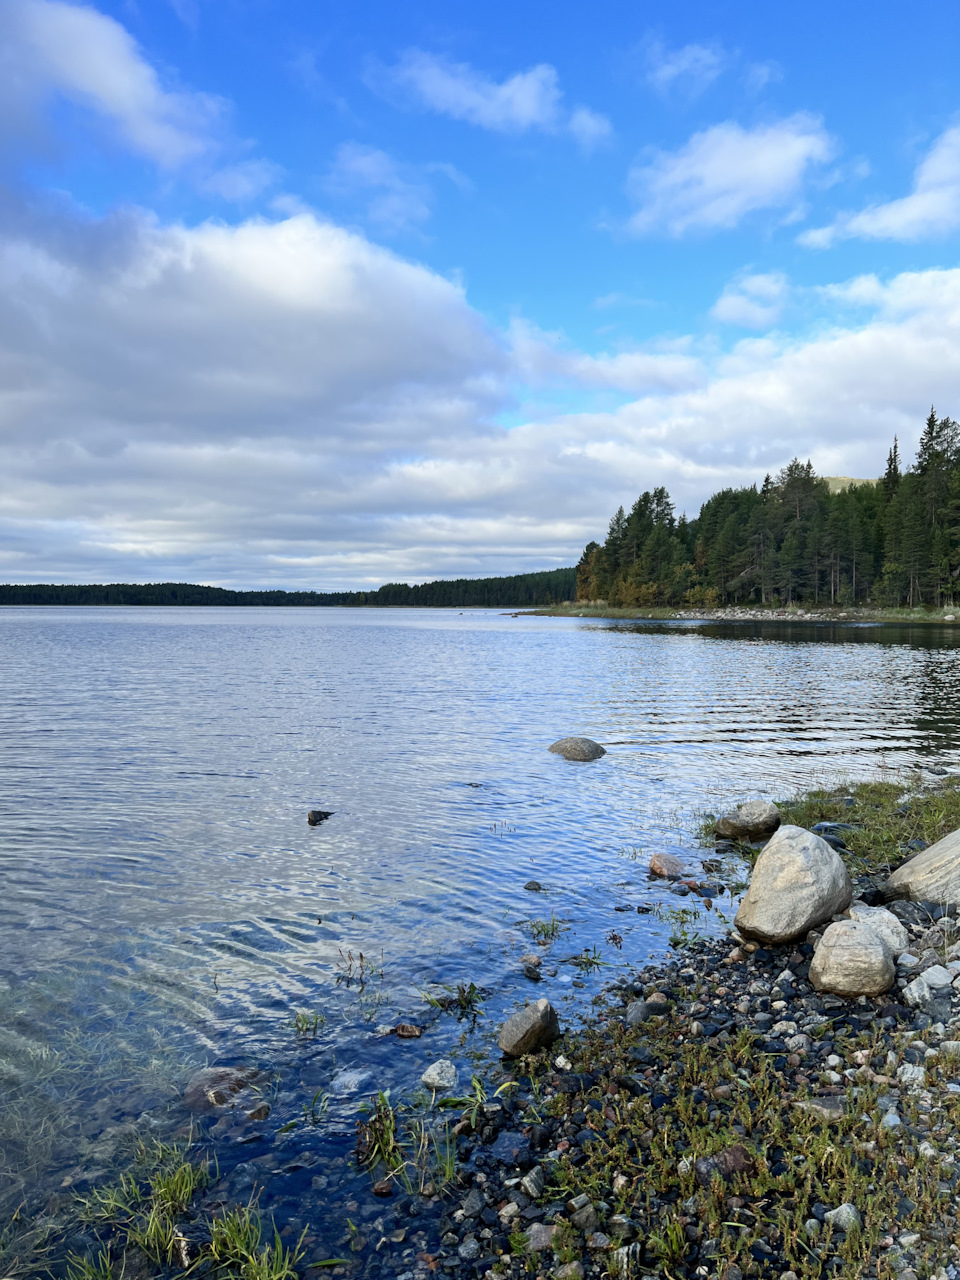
(751, 821)
(852, 960)
(932, 876)
(577, 749)
(798, 882)
(534, 1027)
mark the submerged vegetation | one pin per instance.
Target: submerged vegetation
(795, 540)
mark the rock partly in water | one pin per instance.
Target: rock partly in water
(216, 1086)
(316, 816)
(932, 875)
(666, 865)
(440, 1076)
(533, 886)
(852, 960)
(798, 882)
(578, 749)
(751, 821)
(534, 1027)
(883, 922)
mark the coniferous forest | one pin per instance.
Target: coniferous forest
(521, 590)
(890, 542)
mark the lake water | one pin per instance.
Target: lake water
(166, 906)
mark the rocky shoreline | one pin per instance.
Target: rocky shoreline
(743, 1108)
(735, 613)
(726, 1114)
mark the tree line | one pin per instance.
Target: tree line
(893, 541)
(521, 590)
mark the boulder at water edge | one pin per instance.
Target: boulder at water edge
(852, 960)
(932, 876)
(577, 749)
(798, 882)
(534, 1027)
(751, 821)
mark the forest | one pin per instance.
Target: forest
(522, 590)
(796, 540)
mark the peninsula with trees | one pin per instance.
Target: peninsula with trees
(798, 539)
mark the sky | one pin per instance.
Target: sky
(329, 295)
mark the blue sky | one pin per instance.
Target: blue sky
(335, 294)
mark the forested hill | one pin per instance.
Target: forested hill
(895, 541)
(522, 590)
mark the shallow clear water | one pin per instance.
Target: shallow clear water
(165, 905)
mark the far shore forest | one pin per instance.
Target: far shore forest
(890, 542)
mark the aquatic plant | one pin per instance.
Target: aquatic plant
(307, 1023)
(589, 959)
(464, 998)
(236, 1248)
(548, 930)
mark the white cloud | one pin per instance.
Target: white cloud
(724, 173)
(759, 74)
(932, 208)
(396, 202)
(75, 52)
(543, 357)
(589, 128)
(285, 402)
(527, 100)
(241, 182)
(691, 69)
(753, 301)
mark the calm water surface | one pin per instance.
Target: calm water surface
(165, 905)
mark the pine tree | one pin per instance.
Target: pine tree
(892, 475)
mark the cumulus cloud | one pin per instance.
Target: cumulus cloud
(753, 301)
(931, 209)
(54, 50)
(692, 68)
(527, 100)
(285, 402)
(724, 173)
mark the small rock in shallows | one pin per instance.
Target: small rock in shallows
(440, 1076)
(666, 865)
(582, 749)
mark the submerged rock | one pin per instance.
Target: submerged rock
(751, 821)
(798, 882)
(534, 1027)
(852, 960)
(931, 875)
(214, 1087)
(577, 749)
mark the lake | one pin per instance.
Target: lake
(165, 904)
